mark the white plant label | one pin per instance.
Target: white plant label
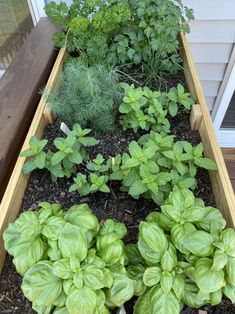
(64, 128)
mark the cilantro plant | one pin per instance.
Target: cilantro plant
(145, 109)
(70, 255)
(70, 152)
(183, 256)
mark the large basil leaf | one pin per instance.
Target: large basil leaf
(53, 250)
(62, 269)
(178, 232)
(113, 253)
(169, 259)
(178, 285)
(28, 225)
(207, 279)
(81, 216)
(11, 238)
(230, 271)
(191, 295)
(216, 297)
(82, 301)
(163, 303)
(132, 254)
(136, 272)
(161, 220)
(198, 243)
(26, 254)
(111, 226)
(229, 292)
(93, 277)
(53, 227)
(152, 276)
(122, 290)
(72, 242)
(142, 306)
(219, 260)
(40, 285)
(228, 239)
(213, 220)
(152, 242)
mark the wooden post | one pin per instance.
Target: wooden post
(195, 117)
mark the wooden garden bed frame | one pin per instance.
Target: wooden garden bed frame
(200, 119)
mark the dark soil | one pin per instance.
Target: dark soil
(117, 205)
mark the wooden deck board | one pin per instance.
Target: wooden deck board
(19, 94)
(229, 157)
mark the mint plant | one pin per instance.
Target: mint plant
(157, 164)
(181, 256)
(70, 254)
(90, 184)
(37, 157)
(141, 109)
(176, 97)
(71, 151)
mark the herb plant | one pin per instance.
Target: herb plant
(87, 95)
(70, 255)
(157, 164)
(145, 109)
(90, 184)
(151, 40)
(70, 152)
(88, 26)
(187, 254)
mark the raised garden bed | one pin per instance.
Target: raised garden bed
(135, 210)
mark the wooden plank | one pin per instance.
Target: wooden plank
(12, 199)
(228, 154)
(19, 95)
(195, 117)
(224, 194)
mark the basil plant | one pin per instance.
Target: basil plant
(183, 256)
(69, 263)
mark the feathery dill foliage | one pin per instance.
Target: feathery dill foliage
(87, 95)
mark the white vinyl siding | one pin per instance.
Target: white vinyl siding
(211, 41)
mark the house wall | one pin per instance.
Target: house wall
(211, 40)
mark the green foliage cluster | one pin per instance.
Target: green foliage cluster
(69, 263)
(183, 256)
(151, 168)
(71, 151)
(152, 39)
(87, 95)
(89, 26)
(124, 32)
(101, 171)
(145, 109)
(157, 164)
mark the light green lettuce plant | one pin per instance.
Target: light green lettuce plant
(69, 263)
